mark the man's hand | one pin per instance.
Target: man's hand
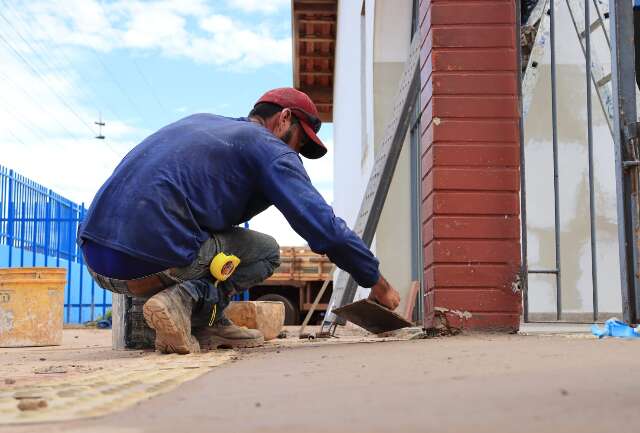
(385, 294)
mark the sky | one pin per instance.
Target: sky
(137, 65)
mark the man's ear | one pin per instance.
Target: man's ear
(285, 115)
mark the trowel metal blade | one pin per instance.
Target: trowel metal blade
(372, 316)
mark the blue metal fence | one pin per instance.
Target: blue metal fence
(38, 228)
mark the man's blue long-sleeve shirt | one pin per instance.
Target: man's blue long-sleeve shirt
(204, 174)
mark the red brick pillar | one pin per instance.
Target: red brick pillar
(470, 163)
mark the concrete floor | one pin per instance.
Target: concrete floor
(479, 383)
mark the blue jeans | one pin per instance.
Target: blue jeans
(259, 257)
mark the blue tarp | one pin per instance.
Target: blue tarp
(615, 328)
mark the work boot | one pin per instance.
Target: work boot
(225, 334)
(169, 314)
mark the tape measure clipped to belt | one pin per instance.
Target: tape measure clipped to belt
(222, 267)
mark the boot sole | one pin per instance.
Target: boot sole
(229, 343)
(169, 337)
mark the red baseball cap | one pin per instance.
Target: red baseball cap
(305, 110)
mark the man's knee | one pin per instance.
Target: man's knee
(266, 251)
(272, 252)
(259, 252)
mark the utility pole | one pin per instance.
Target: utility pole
(100, 124)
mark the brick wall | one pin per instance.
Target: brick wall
(470, 162)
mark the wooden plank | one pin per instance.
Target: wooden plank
(319, 307)
(329, 7)
(296, 50)
(315, 20)
(411, 300)
(317, 73)
(316, 56)
(314, 38)
(118, 308)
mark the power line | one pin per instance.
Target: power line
(65, 62)
(47, 64)
(33, 128)
(117, 83)
(16, 137)
(110, 74)
(38, 74)
(153, 92)
(69, 66)
(38, 53)
(144, 78)
(29, 95)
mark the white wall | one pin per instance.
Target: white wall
(371, 77)
(347, 114)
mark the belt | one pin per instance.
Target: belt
(149, 285)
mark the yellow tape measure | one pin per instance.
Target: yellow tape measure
(223, 265)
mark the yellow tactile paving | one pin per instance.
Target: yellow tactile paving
(107, 390)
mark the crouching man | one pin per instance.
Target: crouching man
(176, 200)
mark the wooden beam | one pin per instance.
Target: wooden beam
(318, 73)
(319, 56)
(295, 46)
(324, 92)
(330, 20)
(329, 7)
(314, 12)
(299, 2)
(411, 301)
(326, 117)
(314, 38)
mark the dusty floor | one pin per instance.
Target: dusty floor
(84, 378)
(87, 350)
(82, 351)
(479, 383)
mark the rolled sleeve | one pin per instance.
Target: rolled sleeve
(284, 182)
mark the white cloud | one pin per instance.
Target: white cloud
(264, 6)
(186, 29)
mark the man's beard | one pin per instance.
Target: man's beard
(287, 135)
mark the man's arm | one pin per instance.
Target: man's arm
(285, 183)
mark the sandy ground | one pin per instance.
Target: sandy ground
(86, 350)
(479, 383)
(82, 351)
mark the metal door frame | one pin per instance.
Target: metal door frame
(626, 134)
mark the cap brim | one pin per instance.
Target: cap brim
(315, 148)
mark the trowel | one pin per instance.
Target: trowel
(372, 316)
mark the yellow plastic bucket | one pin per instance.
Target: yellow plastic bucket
(31, 306)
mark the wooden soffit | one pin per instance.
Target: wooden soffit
(314, 44)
